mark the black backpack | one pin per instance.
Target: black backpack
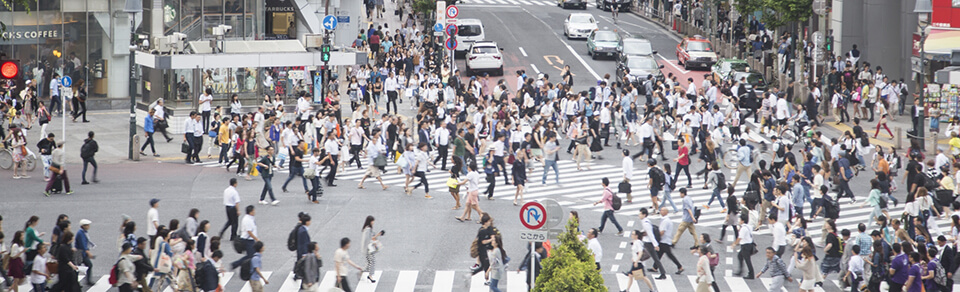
(292, 238)
(616, 203)
(86, 151)
(931, 183)
(721, 181)
(656, 231)
(199, 274)
(657, 175)
(781, 150)
(245, 270)
(831, 207)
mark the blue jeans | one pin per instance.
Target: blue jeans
(493, 285)
(669, 199)
(608, 214)
(716, 194)
(547, 164)
(86, 161)
(267, 187)
(294, 172)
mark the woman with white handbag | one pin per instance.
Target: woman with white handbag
(370, 245)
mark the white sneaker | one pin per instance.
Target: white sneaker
(263, 202)
(275, 202)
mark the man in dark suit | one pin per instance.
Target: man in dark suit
(948, 259)
(916, 114)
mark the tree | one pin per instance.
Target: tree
(570, 266)
(777, 13)
(9, 5)
(425, 7)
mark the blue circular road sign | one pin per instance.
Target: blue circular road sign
(330, 22)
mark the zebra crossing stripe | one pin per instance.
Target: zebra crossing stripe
(665, 285)
(516, 281)
(768, 282)
(442, 281)
(693, 281)
(406, 281)
(102, 285)
(736, 284)
(476, 283)
(248, 288)
(365, 285)
(289, 284)
(623, 281)
(329, 281)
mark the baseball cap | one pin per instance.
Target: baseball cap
(154, 201)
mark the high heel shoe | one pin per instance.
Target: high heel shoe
(371, 279)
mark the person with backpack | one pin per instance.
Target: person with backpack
(207, 276)
(656, 182)
(123, 275)
(87, 153)
(719, 182)
(651, 244)
(610, 203)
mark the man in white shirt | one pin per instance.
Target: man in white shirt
(160, 115)
(594, 245)
(248, 235)
(391, 85)
(356, 143)
(422, 160)
(374, 149)
(779, 234)
(782, 111)
(667, 230)
(442, 140)
(650, 244)
(205, 100)
(231, 200)
(303, 108)
(605, 118)
(627, 173)
(188, 136)
(333, 149)
(153, 221)
(691, 89)
(745, 241)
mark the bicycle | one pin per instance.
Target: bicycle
(6, 159)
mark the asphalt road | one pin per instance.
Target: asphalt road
(425, 249)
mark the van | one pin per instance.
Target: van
(469, 30)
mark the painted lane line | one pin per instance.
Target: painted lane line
(524, 53)
(535, 69)
(673, 64)
(575, 54)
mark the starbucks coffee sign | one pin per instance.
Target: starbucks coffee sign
(31, 34)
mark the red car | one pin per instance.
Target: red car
(696, 52)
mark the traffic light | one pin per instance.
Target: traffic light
(829, 43)
(9, 69)
(325, 53)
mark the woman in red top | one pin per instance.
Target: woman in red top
(683, 161)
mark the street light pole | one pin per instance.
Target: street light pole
(923, 8)
(133, 7)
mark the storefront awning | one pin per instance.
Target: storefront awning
(239, 60)
(941, 42)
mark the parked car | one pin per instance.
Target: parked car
(582, 4)
(579, 25)
(696, 52)
(485, 56)
(603, 43)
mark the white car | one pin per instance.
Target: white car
(579, 25)
(469, 30)
(485, 56)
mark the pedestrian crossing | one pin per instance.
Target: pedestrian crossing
(514, 2)
(449, 281)
(578, 189)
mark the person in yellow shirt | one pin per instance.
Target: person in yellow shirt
(223, 137)
(954, 145)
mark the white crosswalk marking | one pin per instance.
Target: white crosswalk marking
(767, 282)
(665, 285)
(736, 284)
(225, 277)
(693, 281)
(516, 281)
(442, 281)
(289, 284)
(623, 281)
(476, 283)
(365, 284)
(102, 285)
(246, 286)
(329, 281)
(406, 281)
